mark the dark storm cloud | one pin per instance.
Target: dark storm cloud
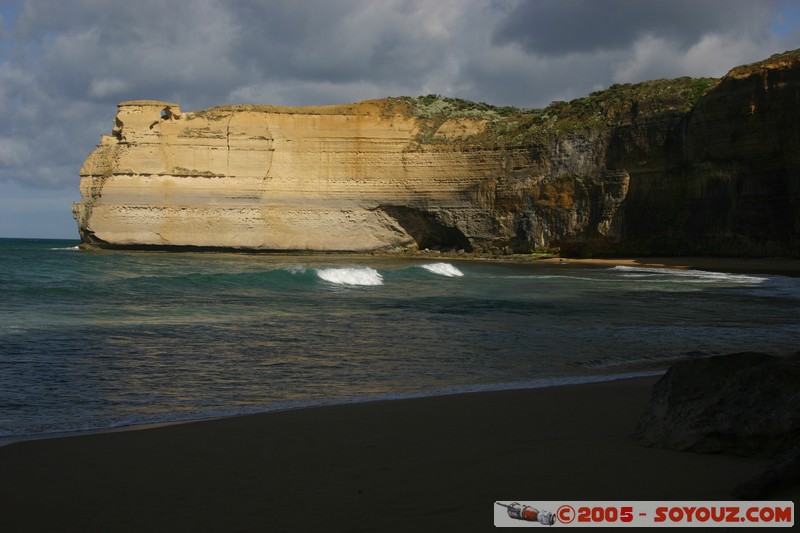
(337, 42)
(558, 27)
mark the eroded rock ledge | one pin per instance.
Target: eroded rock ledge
(681, 166)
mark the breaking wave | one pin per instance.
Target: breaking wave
(443, 269)
(363, 276)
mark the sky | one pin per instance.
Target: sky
(65, 65)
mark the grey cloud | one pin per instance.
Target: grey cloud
(120, 54)
(559, 27)
(341, 41)
(536, 81)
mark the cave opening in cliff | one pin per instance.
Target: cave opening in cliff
(427, 230)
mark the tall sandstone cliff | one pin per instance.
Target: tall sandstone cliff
(709, 167)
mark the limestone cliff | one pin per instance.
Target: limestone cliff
(668, 166)
(255, 177)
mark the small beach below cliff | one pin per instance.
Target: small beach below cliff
(377, 466)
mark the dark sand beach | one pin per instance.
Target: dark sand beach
(429, 464)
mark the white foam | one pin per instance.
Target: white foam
(443, 269)
(68, 248)
(698, 276)
(363, 276)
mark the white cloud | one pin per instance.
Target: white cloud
(714, 55)
(650, 58)
(105, 87)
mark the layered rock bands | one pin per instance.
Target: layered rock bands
(658, 167)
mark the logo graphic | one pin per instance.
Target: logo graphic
(565, 514)
(528, 513)
(617, 514)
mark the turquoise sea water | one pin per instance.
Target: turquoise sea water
(101, 339)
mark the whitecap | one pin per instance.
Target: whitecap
(364, 276)
(67, 248)
(697, 276)
(443, 269)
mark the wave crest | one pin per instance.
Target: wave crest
(443, 269)
(363, 276)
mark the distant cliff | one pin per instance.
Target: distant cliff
(684, 166)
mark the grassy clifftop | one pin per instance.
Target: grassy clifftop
(618, 105)
(507, 126)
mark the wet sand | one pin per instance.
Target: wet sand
(428, 464)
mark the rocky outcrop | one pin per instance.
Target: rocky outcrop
(668, 166)
(743, 404)
(730, 182)
(781, 475)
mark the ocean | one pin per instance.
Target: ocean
(92, 340)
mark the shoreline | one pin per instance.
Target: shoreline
(383, 465)
(739, 265)
(561, 381)
(754, 265)
(436, 460)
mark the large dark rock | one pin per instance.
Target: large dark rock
(784, 473)
(743, 404)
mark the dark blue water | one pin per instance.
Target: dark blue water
(98, 339)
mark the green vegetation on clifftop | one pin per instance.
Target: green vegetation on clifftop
(509, 126)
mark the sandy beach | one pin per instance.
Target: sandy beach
(427, 464)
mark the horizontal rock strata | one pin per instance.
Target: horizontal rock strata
(259, 177)
(669, 166)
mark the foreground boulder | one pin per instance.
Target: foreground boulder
(784, 473)
(743, 404)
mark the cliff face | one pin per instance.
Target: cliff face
(671, 166)
(730, 179)
(326, 178)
